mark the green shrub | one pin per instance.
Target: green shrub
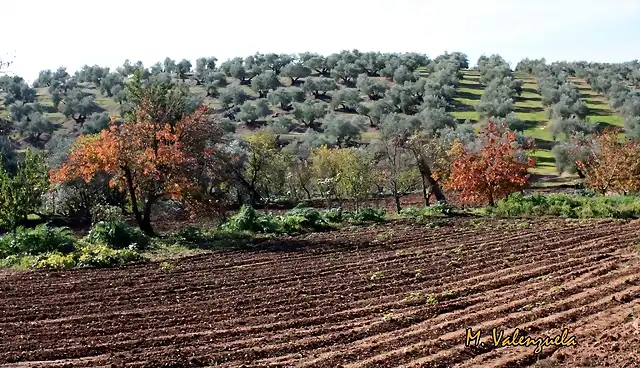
(245, 220)
(101, 255)
(290, 224)
(311, 218)
(109, 228)
(422, 214)
(21, 194)
(117, 235)
(568, 206)
(299, 219)
(333, 215)
(86, 255)
(365, 215)
(54, 260)
(41, 239)
(189, 234)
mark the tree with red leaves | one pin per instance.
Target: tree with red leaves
(157, 153)
(610, 163)
(492, 169)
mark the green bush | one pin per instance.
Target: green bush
(117, 235)
(568, 206)
(333, 215)
(422, 214)
(109, 228)
(41, 239)
(189, 234)
(245, 220)
(290, 224)
(101, 255)
(299, 219)
(21, 194)
(364, 215)
(54, 260)
(87, 255)
(311, 218)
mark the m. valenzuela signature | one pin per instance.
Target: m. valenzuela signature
(500, 339)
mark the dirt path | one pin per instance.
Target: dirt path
(397, 295)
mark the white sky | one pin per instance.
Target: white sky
(45, 34)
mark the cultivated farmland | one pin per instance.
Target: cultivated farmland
(382, 296)
(261, 212)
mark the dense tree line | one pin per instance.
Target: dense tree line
(617, 82)
(193, 160)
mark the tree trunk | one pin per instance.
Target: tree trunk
(132, 195)
(396, 197)
(306, 191)
(433, 184)
(239, 198)
(437, 191)
(424, 191)
(146, 218)
(79, 120)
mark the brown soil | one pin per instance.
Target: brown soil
(350, 298)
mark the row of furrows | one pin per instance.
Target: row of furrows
(565, 307)
(198, 285)
(323, 297)
(449, 353)
(193, 269)
(485, 300)
(469, 280)
(222, 262)
(429, 331)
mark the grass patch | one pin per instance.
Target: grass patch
(614, 120)
(464, 115)
(472, 91)
(545, 162)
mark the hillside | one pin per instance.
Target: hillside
(527, 107)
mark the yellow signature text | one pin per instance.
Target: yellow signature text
(500, 339)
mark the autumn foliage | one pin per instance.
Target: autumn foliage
(497, 168)
(612, 163)
(148, 159)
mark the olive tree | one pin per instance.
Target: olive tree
(265, 82)
(346, 130)
(295, 71)
(252, 111)
(371, 87)
(346, 99)
(309, 112)
(284, 97)
(233, 96)
(319, 86)
(78, 105)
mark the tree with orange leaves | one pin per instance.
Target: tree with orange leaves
(612, 163)
(493, 169)
(158, 152)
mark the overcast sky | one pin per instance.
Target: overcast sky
(45, 34)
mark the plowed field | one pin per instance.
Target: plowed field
(394, 295)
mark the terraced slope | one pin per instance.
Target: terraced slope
(392, 296)
(528, 107)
